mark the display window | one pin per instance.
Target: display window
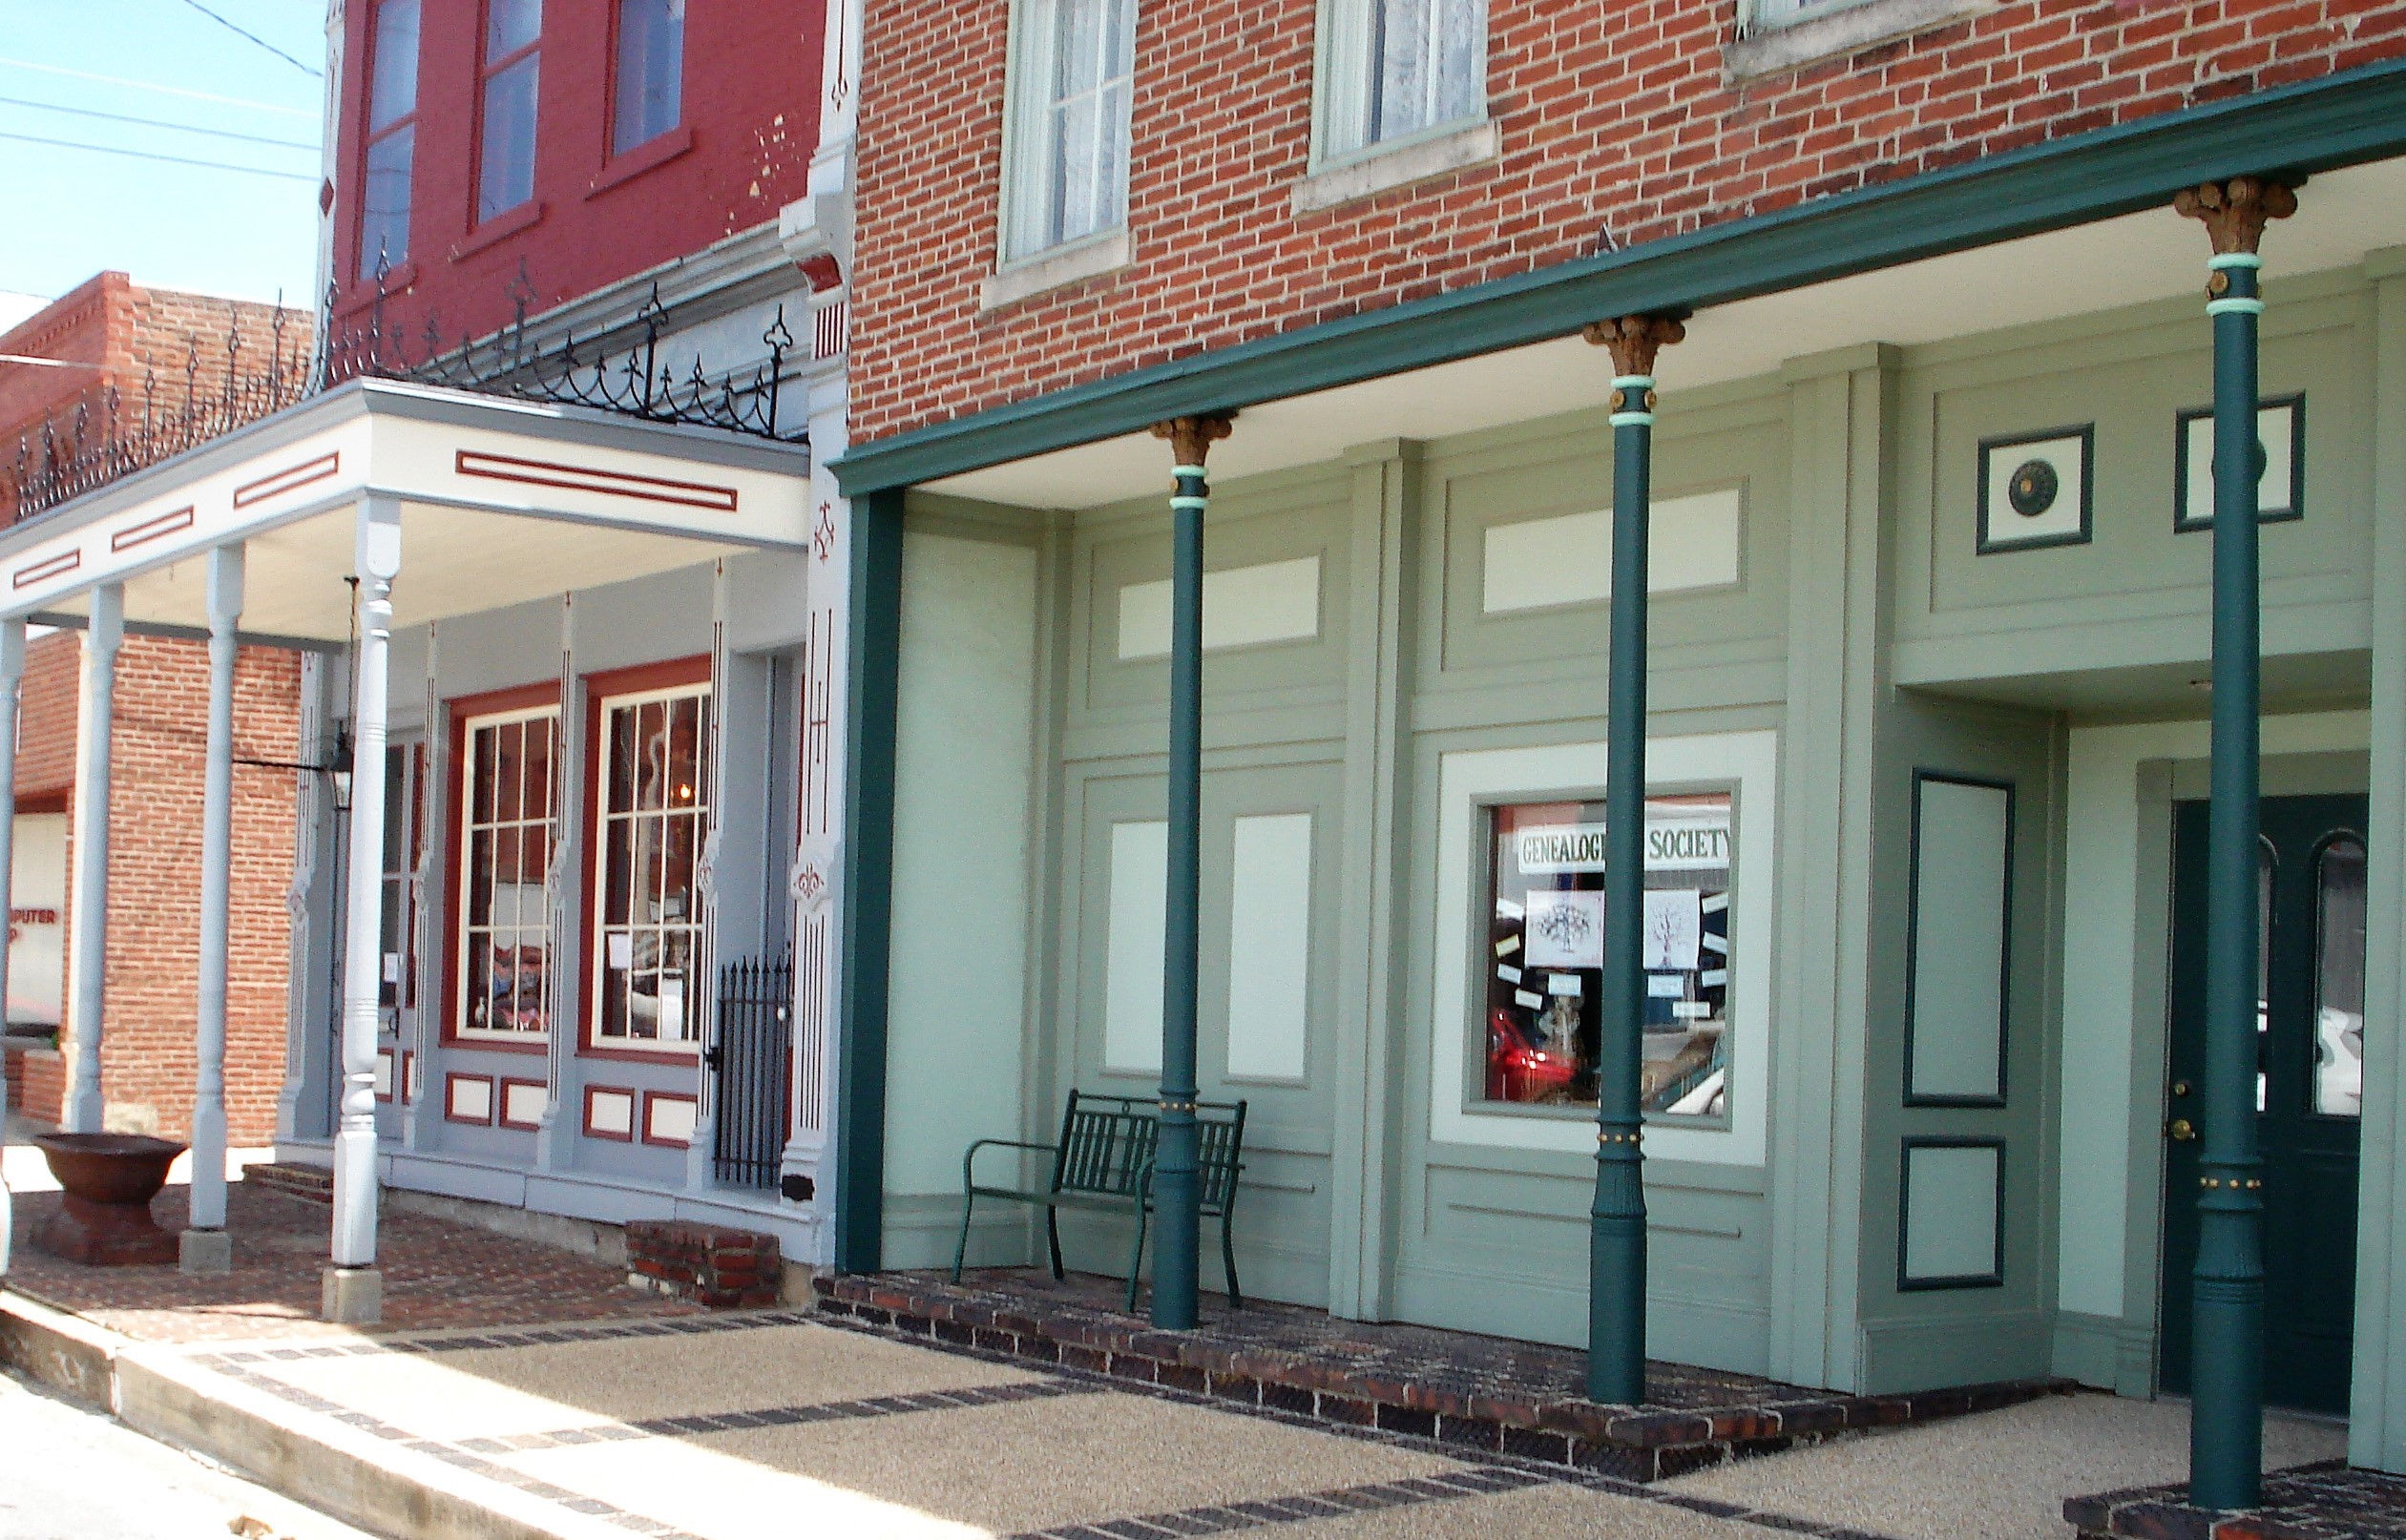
(1545, 957)
(507, 832)
(652, 818)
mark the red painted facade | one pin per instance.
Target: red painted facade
(741, 150)
(1610, 116)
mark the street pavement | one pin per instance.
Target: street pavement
(71, 1473)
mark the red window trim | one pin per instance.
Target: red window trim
(493, 1103)
(636, 158)
(600, 688)
(488, 67)
(653, 153)
(459, 709)
(634, 1114)
(359, 288)
(645, 1122)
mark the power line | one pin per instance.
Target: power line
(241, 31)
(166, 91)
(173, 160)
(155, 122)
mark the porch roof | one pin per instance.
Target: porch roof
(501, 501)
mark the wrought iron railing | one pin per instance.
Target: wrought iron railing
(752, 1062)
(624, 371)
(108, 435)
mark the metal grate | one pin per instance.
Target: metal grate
(753, 1065)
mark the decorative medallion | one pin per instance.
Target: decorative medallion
(2280, 464)
(2035, 488)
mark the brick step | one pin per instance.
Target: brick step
(316, 1183)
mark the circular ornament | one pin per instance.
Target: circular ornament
(2032, 489)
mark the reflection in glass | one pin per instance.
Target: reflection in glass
(1544, 953)
(2339, 979)
(656, 814)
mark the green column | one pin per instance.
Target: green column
(2226, 1405)
(1177, 1191)
(1615, 1276)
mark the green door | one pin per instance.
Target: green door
(2308, 1090)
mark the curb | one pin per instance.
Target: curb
(365, 1481)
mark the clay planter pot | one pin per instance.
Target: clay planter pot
(107, 1181)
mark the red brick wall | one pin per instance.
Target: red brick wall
(1609, 113)
(152, 967)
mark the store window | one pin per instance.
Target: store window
(1545, 863)
(392, 137)
(507, 832)
(1071, 73)
(512, 64)
(647, 98)
(2339, 979)
(652, 816)
(405, 845)
(1393, 69)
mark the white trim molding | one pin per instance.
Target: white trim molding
(1829, 31)
(1399, 164)
(1095, 257)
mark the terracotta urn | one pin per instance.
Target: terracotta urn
(107, 1182)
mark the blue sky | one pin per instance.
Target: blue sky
(71, 213)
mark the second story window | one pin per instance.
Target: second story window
(647, 98)
(505, 160)
(1393, 69)
(392, 137)
(1068, 159)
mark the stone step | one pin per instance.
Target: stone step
(316, 1183)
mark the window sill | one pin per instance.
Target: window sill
(498, 1042)
(362, 294)
(1837, 34)
(1090, 257)
(500, 228)
(1387, 167)
(686, 1054)
(656, 151)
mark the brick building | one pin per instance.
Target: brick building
(160, 358)
(1864, 339)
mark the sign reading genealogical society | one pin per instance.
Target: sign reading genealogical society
(1685, 842)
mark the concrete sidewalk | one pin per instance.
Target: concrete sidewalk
(703, 1427)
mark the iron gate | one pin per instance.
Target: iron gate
(753, 1065)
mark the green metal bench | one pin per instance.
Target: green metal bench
(1104, 1161)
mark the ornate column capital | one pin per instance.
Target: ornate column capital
(2236, 211)
(1191, 437)
(1634, 340)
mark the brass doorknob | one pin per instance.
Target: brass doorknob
(2179, 1131)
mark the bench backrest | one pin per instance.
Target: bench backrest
(1107, 1141)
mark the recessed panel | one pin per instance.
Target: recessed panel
(2280, 487)
(1692, 542)
(668, 1119)
(1254, 606)
(2035, 489)
(468, 1098)
(1962, 895)
(1951, 1237)
(1132, 974)
(1269, 946)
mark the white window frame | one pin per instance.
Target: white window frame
(466, 817)
(1769, 44)
(1342, 69)
(1027, 140)
(695, 923)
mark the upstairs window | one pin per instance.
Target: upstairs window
(1394, 69)
(647, 100)
(505, 161)
(653, 815)
(507, 832)
(1073, 66)
(392, 137)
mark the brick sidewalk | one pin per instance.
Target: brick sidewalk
(437, 1274)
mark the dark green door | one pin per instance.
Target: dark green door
(2308, 1089)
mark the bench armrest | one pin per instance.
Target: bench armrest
(969, 1160)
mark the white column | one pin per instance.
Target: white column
(353, 1289)
(87, 882)
(702, 989)
(204, 1248)
(11, 674)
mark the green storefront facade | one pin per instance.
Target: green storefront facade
(1928, 662)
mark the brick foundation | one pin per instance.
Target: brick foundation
(723, 1268)
(2327, 1501)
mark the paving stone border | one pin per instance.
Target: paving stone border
(2329, 1500)
(1477, 1393)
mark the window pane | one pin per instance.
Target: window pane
(651, 71)
(534, 785)
(1425, 64)
(653, 827)
(502, 896)
(383, 223)
(1079, 167)
(2339, 981)
(1544, 954)
(392, 91)
(396, 807)
(508, 162)
(511, 25)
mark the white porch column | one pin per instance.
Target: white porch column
(87, 879)
(11, 674)
(353, 1289)
(206, 1247)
